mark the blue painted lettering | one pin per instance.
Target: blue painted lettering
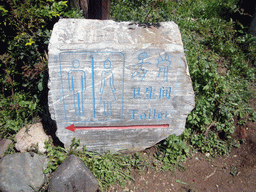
(142, 116)
(133, 113)
(165, 92)
(151, 115)
(136, 93)
(149, 93)
(159, 116)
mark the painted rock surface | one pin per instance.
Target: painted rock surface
(118, 86)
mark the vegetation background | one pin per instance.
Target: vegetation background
(219, 51)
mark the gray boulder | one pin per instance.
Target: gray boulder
(73, 175)
(22, 172)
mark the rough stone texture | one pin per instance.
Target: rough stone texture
(117, 78)
(73, 175)
(30, 136)
(22, 172)
(4, 145)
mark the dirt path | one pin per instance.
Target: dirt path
(236, 172)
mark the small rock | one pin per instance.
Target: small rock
(207, 154)
(73, 175)
(30, 136)
(3, 146)
(22, 172)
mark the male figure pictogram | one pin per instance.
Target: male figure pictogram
(77, 84)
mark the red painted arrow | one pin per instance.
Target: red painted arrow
(74, 128)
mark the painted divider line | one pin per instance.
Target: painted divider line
(74, 128)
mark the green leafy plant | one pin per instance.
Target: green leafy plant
(10, 149)
(233, 171)
(74, 144)
(143, 12)
(24, 36)
(55, 155)
(173, 150)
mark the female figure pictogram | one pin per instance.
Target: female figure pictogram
(107, 88)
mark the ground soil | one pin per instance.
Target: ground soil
(235, 172)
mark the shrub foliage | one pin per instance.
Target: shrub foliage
(25, 28)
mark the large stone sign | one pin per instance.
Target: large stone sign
(116, 85)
